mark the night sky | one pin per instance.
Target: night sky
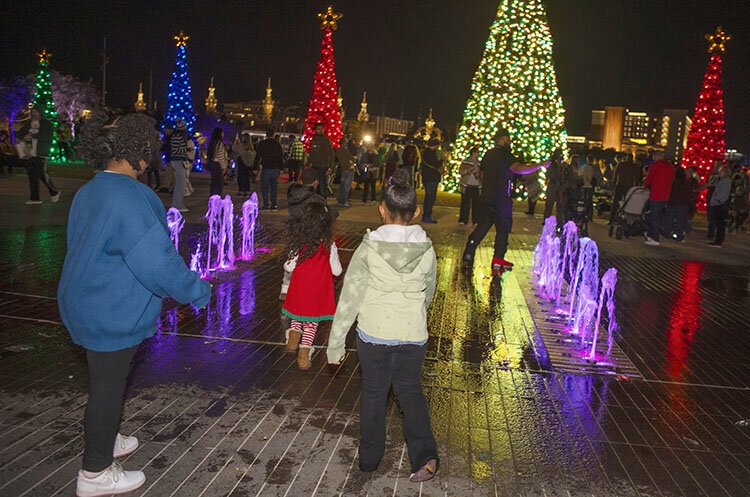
(408, 54)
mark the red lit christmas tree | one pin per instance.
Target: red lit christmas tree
(706, 140)
(324, 105)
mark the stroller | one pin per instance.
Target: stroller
(630, 219)
(575, 209)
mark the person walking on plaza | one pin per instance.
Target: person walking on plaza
(432, 172)
(218, 161)
(738, 198)
(588, 175)
(313, 261)
(392, 158)
(38, 132)
(409, 159)
(245, 158)
(270, 156)
(153, 168)
(345, 159)
(498, 167)
(710, 185)
(320, 157)
(626, 175)
(8, 157)
(556, 178)
(659, 181)
(720, 206)
(678, 205)
(369, 168)
(388, 288)
(294, 158)
(120, 263)
(471, 181)
(177, 158)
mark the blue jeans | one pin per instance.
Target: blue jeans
(711, 217)
(178, 194)
(345, 187)
(655, 217)
(430, 195)
(676, 214)
(269, 183)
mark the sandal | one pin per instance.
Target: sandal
(425, 473)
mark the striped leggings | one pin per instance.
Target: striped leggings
(308, 329)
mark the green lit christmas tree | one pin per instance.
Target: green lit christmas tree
(44, 102)
(515, 87)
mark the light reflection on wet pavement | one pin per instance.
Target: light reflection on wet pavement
(220, 409)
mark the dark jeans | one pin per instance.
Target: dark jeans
(588, 198)
(345, 186)
(469, 202)
(153, 172)
(37, 171)
(108, 375)
(269, 184)
(676, 214)
(8, 160)
(322, 180)
(711, 218)
(655, 217)
(502, 220)
(430, 195)
(401, 366)
(217, 179)
(243, 178)
(531, 207)
(295, 166)
(619, 195)
(368, 187)
(555, 199)
(720, 219)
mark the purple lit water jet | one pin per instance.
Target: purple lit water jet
(549, 229)
(220, 217)
(247, 224)
(606, 296)
(195, 262)
(586, 273)
(175, 222)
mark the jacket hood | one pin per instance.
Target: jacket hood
(401, 247)
(300, 194)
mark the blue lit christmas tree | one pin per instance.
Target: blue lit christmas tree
(180, 93)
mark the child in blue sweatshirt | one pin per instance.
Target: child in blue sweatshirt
(119, 265)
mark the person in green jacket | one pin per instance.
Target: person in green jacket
(388, 287)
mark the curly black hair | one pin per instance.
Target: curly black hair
(308, 231)
(104, 139)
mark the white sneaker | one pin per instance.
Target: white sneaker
(652, 242)
(113, 480)
(33, 202)
(55, 197)
(124, 446)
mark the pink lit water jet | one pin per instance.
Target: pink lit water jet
(175, 222)
(247, 225)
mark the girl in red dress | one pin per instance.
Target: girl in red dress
(313, 261)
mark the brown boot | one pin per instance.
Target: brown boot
(292, 340)
(303, 358)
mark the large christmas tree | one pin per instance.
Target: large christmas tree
(515, 87)
(180, 93)
(44, 102)
(706, 140)
(324, 105)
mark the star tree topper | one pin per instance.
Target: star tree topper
(44, 56)
(329, 18)
(181, 39)
(717, 40)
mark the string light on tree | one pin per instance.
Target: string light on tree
(180, 93)
(706, 141)
(324, 105)
(44, 102)
(515, 87)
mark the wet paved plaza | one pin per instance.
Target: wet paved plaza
(220, 409)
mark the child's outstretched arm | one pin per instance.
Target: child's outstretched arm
(336, 268)
(350, 301)
(431, 282)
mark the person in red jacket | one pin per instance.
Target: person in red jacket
(659, 181)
